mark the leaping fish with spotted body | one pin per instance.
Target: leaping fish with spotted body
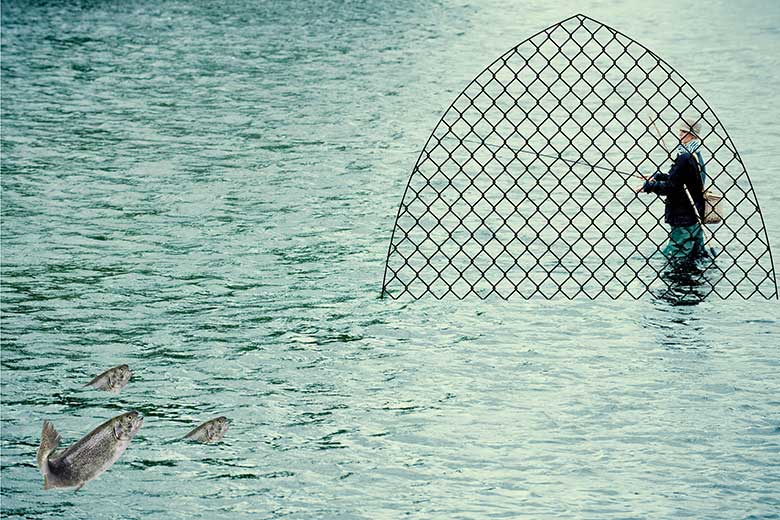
(209, 431)
(89, 457)
(113, 379)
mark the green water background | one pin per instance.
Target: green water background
(206, 192)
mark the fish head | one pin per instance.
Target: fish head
(218, 427)
(124, 373)
(127, 425)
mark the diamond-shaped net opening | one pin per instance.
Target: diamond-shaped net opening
(527, 185)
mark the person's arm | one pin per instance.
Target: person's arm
(663, 184)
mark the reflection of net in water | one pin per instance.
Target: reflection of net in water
(525, 186)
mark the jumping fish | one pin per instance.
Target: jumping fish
(209, 431)
(113, 379)
(88, 457)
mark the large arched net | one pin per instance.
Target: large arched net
(527, 184)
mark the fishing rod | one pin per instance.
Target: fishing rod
(557, 157)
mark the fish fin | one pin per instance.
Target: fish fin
(50, 440)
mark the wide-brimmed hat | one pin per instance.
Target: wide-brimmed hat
(690, 124)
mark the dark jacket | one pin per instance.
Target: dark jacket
(684, 173)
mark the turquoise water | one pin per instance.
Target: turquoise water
(207, 193)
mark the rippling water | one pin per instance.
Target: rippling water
(206, 192)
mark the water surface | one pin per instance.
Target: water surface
(206, 192)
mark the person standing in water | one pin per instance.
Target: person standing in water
(686, 238)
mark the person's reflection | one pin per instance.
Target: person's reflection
(678, 325)
(687, 284)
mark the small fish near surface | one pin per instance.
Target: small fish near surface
(113, 379)
(89, 457)
(209, 431)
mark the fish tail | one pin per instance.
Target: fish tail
(50, 440)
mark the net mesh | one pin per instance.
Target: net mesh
(526, 186)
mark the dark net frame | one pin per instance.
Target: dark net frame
(527, 184)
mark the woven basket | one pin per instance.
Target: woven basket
(713, 207)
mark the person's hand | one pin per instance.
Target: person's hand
(639, 189)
